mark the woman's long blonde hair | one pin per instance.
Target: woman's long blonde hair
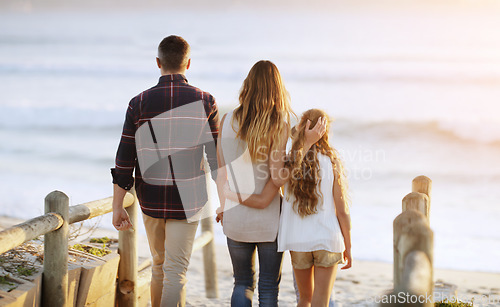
(305, 169)
(264, 111)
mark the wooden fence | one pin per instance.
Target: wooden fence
(413, 244)
(54, 224)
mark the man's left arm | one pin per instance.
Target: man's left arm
(122, 174)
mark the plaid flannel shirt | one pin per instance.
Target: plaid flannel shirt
(166, 197)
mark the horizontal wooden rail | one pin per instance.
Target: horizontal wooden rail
(28, 230)
(41, 225)
(95, 208)
(202, 240)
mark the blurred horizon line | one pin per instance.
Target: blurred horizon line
(125, 5)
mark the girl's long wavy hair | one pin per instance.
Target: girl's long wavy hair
(305, 169)
(263, 114)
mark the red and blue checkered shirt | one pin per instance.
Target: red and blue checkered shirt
(162, 200)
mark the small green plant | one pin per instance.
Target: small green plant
(446, 303)
(100, 252)
(4, 281)
(25, 271)
(100, 240)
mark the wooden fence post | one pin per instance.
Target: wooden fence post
(55, 260)
(417, 273)
(411, 232)
(126, 294)
(417, 201)
(422, 184)
(209, 260)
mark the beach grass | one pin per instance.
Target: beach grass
(447, 303)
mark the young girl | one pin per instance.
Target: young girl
(315, 221)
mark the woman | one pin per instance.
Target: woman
(252, 145)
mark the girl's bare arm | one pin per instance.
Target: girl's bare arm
(344, 218)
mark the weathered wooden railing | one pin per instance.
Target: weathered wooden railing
(413, 245)
(206, 242)
(54, 225)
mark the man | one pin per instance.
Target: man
(167, 128)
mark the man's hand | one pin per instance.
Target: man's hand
(121, 220)
(315, 133)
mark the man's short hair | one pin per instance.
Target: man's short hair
(173, 52)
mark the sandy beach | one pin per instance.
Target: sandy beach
(362, 285)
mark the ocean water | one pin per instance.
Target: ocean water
(413, 92)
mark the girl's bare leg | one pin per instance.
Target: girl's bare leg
(305, 284)
(324, 277)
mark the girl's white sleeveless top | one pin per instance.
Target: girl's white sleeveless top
(319, 231)
(243, 223)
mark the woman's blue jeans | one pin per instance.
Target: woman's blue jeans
(243, 259)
